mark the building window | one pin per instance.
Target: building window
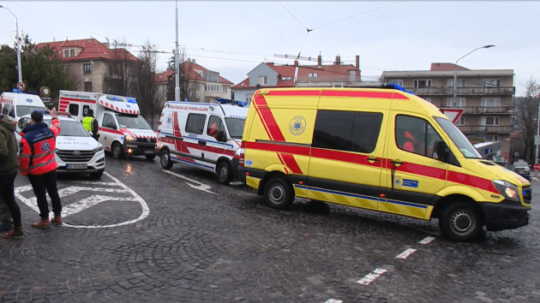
(422, 83)
(87, 68)
(490, 120)
(66, 53)
(461, 121)
(347, 131)
(428, 100)
(263, 80)
(72, 53)
(398, 82)
(337, 85)
(491, 138)
(312, 75)
(489, 102)
(460, 83)
(286, 78)
(87, 86)
(457, 102)
(249, 97)
(491, 82)
(214, 88)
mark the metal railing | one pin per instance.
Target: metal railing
(343, 78)
(463, 91)
(482, 110)
(486, 129)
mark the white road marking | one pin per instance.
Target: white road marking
(89, 201)
(427, 240)
(372, 276)
(333, 301)
(201, 186)
(404, 255)
(240, 183)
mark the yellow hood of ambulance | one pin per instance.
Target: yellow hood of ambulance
(492, 171)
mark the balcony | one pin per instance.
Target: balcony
(341, 78)
(463, 91)
(483, 110)
(486, 129)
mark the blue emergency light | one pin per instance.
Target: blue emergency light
(132, 100)
(395, 86)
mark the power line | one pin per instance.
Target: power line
(293, 16)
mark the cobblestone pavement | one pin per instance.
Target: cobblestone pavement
(203, 242)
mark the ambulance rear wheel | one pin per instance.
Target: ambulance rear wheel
(278, 193)
(166, 159)
(117, 151)
(224, 173)
(461, 221)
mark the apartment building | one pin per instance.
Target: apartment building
(94, 65)
(271, 75)
(486, 97)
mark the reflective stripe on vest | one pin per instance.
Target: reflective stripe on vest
(87, 123)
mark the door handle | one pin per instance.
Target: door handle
(203, 143)
(396, 162)
(373, 159)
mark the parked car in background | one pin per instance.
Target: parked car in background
(522, 168)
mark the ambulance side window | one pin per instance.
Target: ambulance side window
(214, 125)
(415, 135)
(74, 109)
(195, 123)
(108, 121)
(5, 109)
(347, 131)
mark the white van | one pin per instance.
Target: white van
(201, 135)
(17, 105)
(122, 130)
(76, 151)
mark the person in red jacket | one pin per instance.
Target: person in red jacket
(410, 142)
(37, 161)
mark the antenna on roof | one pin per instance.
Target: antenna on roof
(295, 57)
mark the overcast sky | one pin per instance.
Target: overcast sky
(233, 37)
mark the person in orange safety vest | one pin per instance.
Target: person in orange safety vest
(37, 161)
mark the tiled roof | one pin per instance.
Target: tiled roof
(163, 77)
(445, 67)
(90, 49)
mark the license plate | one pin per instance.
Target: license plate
(149, 152)
(76, 166)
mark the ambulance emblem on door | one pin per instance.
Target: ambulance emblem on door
(297, 125)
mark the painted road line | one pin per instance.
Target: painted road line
(241, 183)
(404, 255)
(333, 301)
(427, 240)
(200, 186)
(75, 189)
(372, 276)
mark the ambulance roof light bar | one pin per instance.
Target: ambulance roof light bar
(232, 102)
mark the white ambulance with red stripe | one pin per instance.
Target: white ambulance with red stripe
(202, 135)
(122, 130)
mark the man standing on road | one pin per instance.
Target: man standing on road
(91, 124)
(38, 162)
(8, 172)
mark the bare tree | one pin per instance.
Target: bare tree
(526, 114)
(150, 102)
(121, 78)
(189, 87)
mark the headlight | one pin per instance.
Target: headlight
(129, 138)
(507, 189)
(97, 149)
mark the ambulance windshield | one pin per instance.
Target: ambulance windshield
(236, 127)
(137, 122)
(464, 145)
(23, 110)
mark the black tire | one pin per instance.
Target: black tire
(166, 159)
(461, 222)
(97, 174)
(278, 193)
(150, 157)
(224, 173)
(117, 151)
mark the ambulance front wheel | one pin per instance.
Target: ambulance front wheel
(461, 222)
(224, 173)
(278, 193)
(117, 151)
(166, 159)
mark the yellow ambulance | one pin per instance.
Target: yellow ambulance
(381, 149)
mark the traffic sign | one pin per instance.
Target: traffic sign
(21, 85)
(537, 167)
(453, 114)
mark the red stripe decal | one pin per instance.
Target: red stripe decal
(357, 94)
(76, 100)
(280, 148)
(108, 130)
(295, 93)
(472, 181)
(291, 163)
(343, 156)
(262, 120)
(268, 117)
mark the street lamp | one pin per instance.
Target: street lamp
(455, 67)
(18, 44)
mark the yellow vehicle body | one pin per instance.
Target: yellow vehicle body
(323, 143)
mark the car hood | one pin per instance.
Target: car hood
(76, 143)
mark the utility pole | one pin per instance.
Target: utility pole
(19, 67)
(176, 63)
(537, 137)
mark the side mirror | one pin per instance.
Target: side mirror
(22, 123)
(221, 137)
(440, 151)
